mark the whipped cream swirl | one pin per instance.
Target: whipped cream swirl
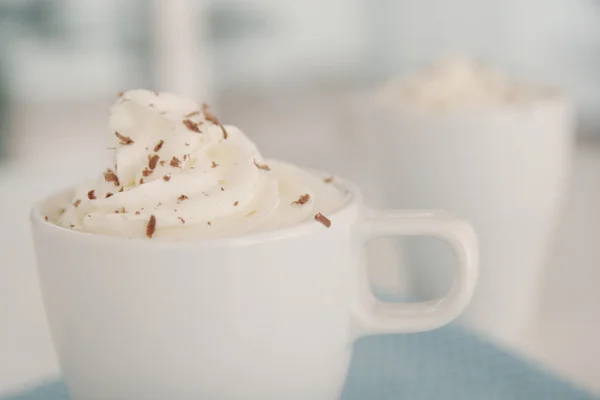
(458, 82)
(179, 172)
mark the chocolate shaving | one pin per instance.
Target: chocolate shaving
(182, 197)
(166, 178)
(262, 166)
(182, 220)
(185, 156)
(191, 125)
(125, 140)
(187, 144)
(46, 218)
(146, 172)
(141, 181)
(214, 165)
(208, 115)
(159, 146)
(92, 194)
(76, 203)
(137, 213)
(225, 134)
(222, 190)
(71, 225)
(236, 203)
(175, 162)
(302, 199)
(208, 223)
(122, 188)
(328, 180)
(162, 163)
(151, 227)
(323, 219)
(120, 94)
(108, 195)
(153, 161)
(110, 176)
(192, 114)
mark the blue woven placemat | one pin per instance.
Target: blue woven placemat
(446, 364)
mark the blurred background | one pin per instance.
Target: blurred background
(292, 75)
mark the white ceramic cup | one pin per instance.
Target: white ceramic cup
(269, 315)
(507, 170)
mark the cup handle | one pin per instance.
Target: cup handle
(373, 316)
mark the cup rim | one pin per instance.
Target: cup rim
(353, 198)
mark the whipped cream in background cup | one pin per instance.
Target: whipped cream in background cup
(155, 308)
(460, 136)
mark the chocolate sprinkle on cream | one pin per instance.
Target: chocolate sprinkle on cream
(214, 165)
(208, 115)
(302, 199)
(225, 134)
(236, 203)
(208, 223)
(191, 125)
(110, 176)
(146, 172)
(122, 188)
(192, 114)
(76, 203)
(141, 181)
(120, 94)
(153, 161)
(46, 218)
(124, 140)
(159, 146)
(166, 178)
(137, 213)
(175, 162)
(162, 163)
(182, 220)
(92, 194)
(151, 227)
(108, 195)
(328, 180)
(323, 219)
(262, 166)
(182, 197)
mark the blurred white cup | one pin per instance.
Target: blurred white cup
(506, 169)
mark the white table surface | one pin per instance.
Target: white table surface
(566, 340)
